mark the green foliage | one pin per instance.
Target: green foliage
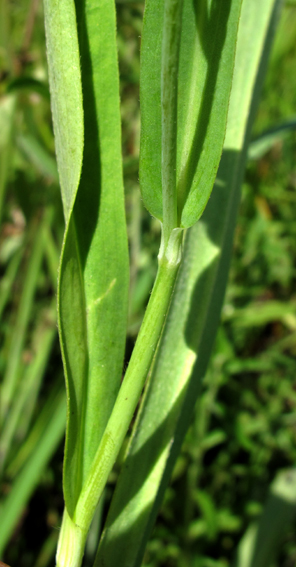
(92, 295)
(202, 95)
(185, 349)
(66, 95)
(243, 431)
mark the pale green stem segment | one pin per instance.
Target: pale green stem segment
(169, 91)
(74, 532)
(71, 543)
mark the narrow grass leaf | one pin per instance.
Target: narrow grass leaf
(24, 401)
(49, 437)
(265, 141)
(28, 84)
(8, 279)
(7, 111)
(185, 349)
(38, 156)
(17, 340)
(262, 541)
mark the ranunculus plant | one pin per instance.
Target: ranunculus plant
(201, 65)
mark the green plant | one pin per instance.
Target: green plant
(186, 81)
(185, 89)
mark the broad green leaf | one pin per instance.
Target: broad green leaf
(204, 83)
(93, 281)
(183, 355)
(66, 94)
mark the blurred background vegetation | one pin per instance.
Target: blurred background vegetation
(244, 429)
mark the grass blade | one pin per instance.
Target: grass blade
(261, 542)
(49, 436)
(7, 111)
(186, 345)
(38, 156)
(17, 339)
(8, 279)
(23, 404)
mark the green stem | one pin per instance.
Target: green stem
(71, 543)
(69, 554)
(169, 97)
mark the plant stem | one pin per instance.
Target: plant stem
(69, 550)
(169, 97)
(71, 543)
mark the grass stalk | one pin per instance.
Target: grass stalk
(24, 402)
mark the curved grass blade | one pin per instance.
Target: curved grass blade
(48, 432)
(185, 349)
(204, 83)
(265, 141)
(261, 543)
(29, 84)
(38, 156)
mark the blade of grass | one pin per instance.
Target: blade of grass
(261, 543)
(7, 110)
(185, 348)
(52, 257)
(15, 466)
(263, 143)
(28, 84)
(47, 552)
(23, 403)
(17, 339)
(38, 156)
(49, 436)
(8, 279)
